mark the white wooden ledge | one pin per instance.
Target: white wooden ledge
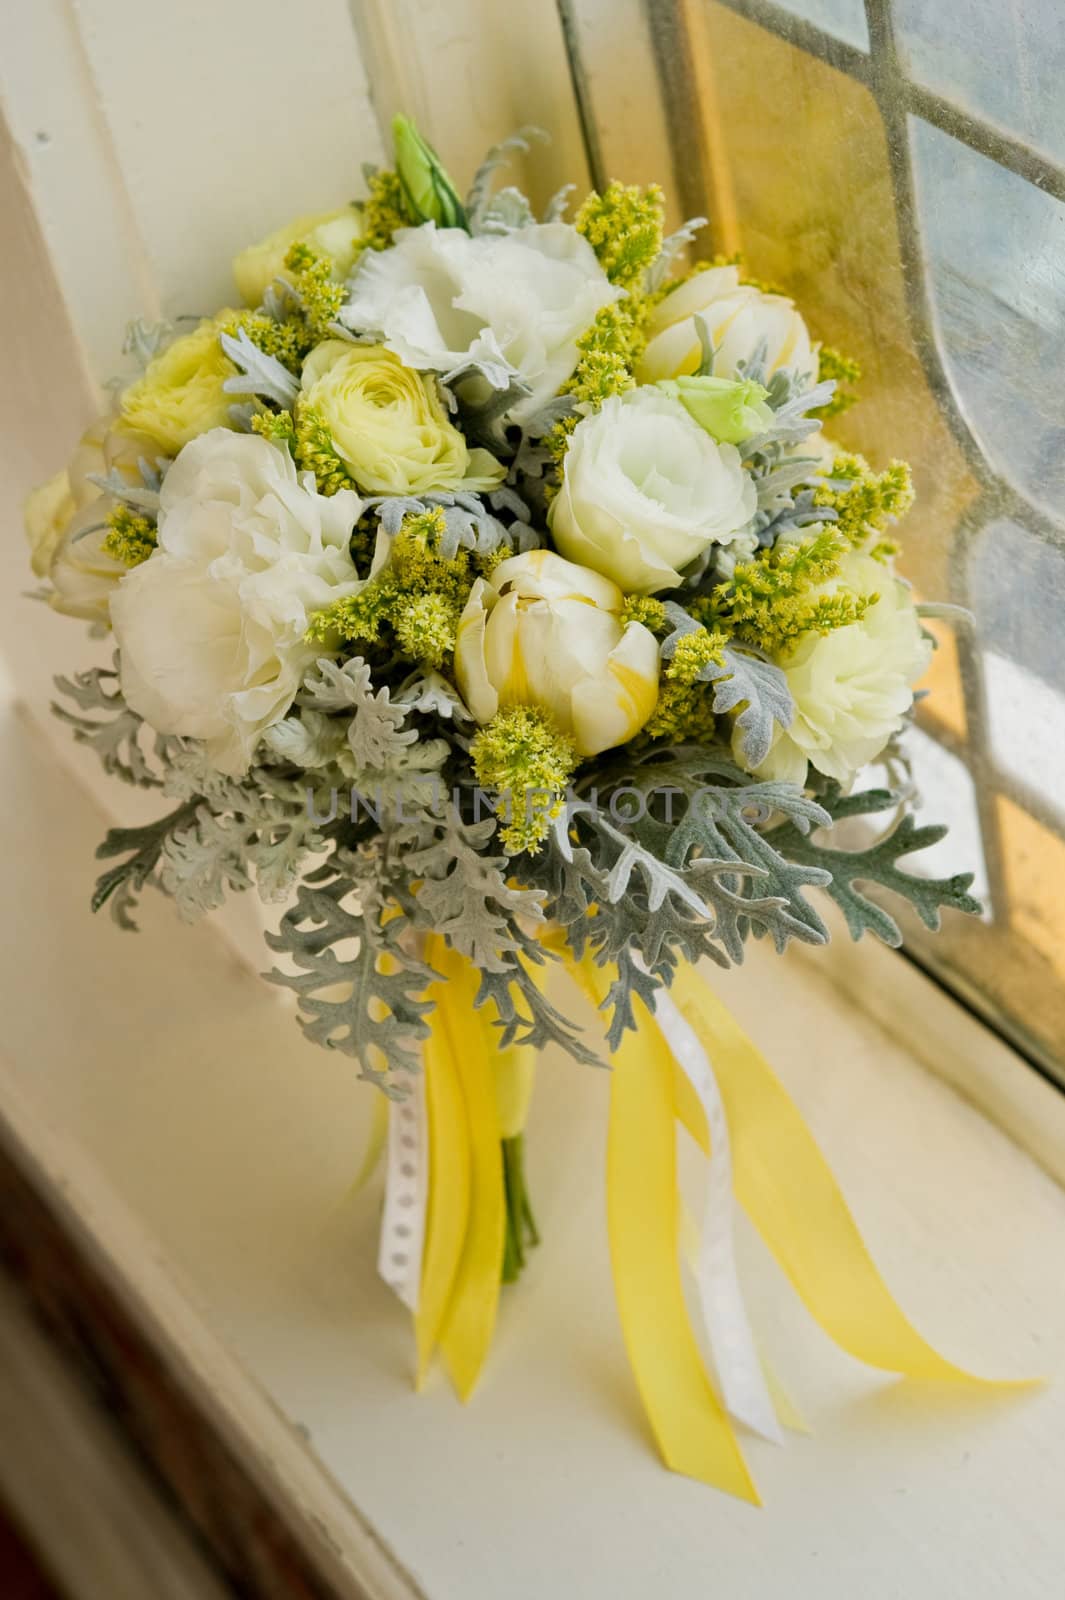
(169, 1103)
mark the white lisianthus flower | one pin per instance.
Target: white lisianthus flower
(442, 301)
(851, 687)
(645, 491)
(211, 628)
(739, 317)
(545, 632)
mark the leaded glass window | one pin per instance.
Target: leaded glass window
(899, 167)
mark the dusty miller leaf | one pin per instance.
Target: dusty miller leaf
(310, 740)
(524, 1014)
(144, 339)
(478, 199)
(142, 848)
(434, 696)
(722, 817)
(748, 679)
(143, 497)
(116, 736)
(376, 734)
(672, 245)
(878, 864)
(468, 524)
(463, 892)
(202, 862)
(359, 989)
(556, 208)
(260, 374)
(507, 210)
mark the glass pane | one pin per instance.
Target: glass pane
(1001, 60)
(1032, 634)
(843, 18)
(946, 789)
(995, 248)
(806, 183)
(1026, 717)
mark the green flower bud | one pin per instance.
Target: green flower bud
(730, 411)
(429, 194)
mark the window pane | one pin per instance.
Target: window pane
(946, 788)
(1032, 634)
(1026, 718)
(947, 283)
(843, 18)
(1001, 60)
(995, 249)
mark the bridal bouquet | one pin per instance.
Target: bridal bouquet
(488, 590)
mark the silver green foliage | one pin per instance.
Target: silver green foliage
(507, 210)
(757, 687)
(877, 865)
(263, 836)
(376, 733)
(432, 694)
(144, 340)
(468, 523)
(378, 899)
(258, 373)
(463, 893)
(707, 858)
(102, 720)
(358, 982)
(479, 201)
(747, 680)
(672, 246)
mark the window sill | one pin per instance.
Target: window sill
(202, 1155)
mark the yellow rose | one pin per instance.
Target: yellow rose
(66, 520)
(388, 424)
(47, 515)
(180, 395)
(332, 233)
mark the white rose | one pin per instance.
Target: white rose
(545, 632)
(211, 627)
(645, 491)
(739, 318)
(441, 300)
(851, 687)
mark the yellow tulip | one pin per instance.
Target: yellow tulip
(545, 632)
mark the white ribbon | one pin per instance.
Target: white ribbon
(399, 1251)
(744, 1392)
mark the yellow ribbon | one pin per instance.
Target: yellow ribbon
(477, 1094)
(464, 1252)
(787, 1188)
(448, 1206)
(689, 1424)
